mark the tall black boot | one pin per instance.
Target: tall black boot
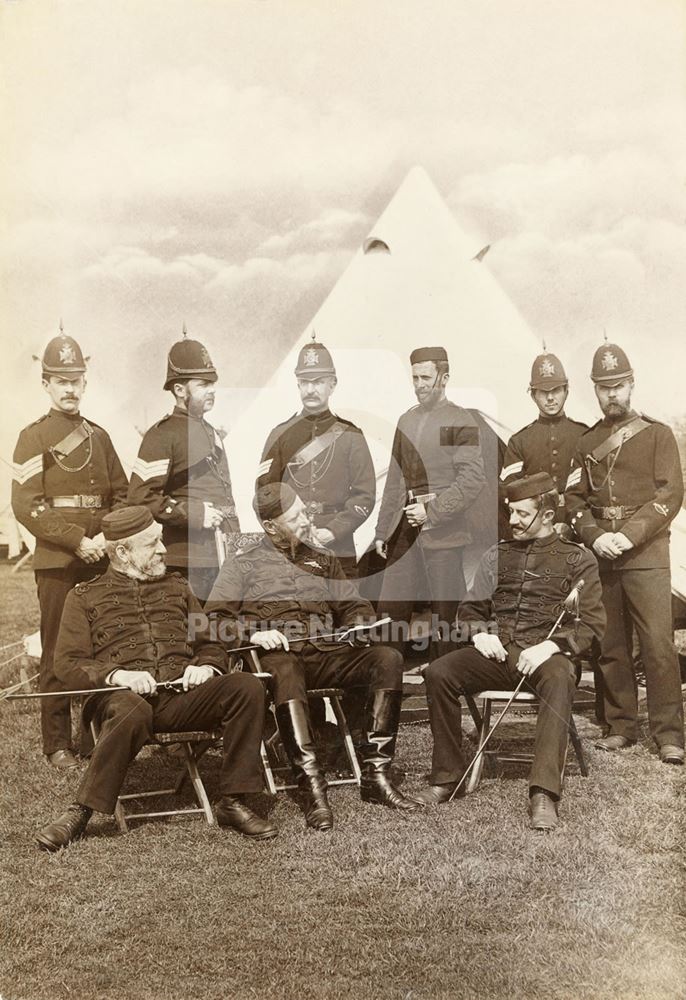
(293, 718)
(376, 753)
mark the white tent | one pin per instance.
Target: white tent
(415, 281)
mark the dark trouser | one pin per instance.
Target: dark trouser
(467, 672)
(53, 586)
(420, 576)
(233, 702)
(641, 598)
(293, 674)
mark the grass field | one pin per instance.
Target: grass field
(460, 902)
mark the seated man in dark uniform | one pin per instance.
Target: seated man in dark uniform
(528, 577)
(137, 627)
(281, 587)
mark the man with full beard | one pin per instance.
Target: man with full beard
(623, 491)
(138, 628)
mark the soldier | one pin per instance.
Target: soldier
(624, 489)
(66, 477)
(549, 443)
(324, 458)
(435, 474)
(182, 473)
(528, 578)
(279, 589)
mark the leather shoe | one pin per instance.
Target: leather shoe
(67, 827)
(62, 759)
(436, 795)
(234, 813)
(612, 743)
(543, 812)
(671, 754)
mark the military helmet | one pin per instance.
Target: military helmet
(314, 360)
(189, 359)
(63, 356)
(610, 365)
(547, 372)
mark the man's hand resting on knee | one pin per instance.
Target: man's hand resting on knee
(271, 639)
(490, 646)
(530, 659)
(139, 681)
(196, 674)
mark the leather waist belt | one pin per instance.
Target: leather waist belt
(613, 513)
(315, 507)
(80, 500)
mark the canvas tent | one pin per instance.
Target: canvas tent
(416, 280)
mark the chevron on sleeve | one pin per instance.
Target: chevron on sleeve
(23, 471)
(511, 470)
(150, 470)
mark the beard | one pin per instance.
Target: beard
(153, 569)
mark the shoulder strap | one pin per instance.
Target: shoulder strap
(619, 438)
(72, 441)
(312, 449)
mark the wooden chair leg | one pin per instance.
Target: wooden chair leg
(198, 787)
(347, 738)
(477, 770)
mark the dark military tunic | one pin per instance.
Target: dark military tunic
(300, 592)
(435, 450)
(91, 476)
(636, 488)
(61, 498)
(182, 465)
(270, 587)
(546, 445)
(529, 581)
(114, 622)
(327, 462)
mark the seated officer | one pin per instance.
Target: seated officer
(528, 579)
(129, 628)
(281, 587)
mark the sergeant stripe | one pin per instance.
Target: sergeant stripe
(510, 470)
(264, 467)
(150, 470)
(574, 479)
(27, 470)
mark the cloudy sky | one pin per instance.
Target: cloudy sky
(219, 161)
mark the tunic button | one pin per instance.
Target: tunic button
(554, 451)
(554, 465)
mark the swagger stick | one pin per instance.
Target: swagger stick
(339, 636)
(571, 603)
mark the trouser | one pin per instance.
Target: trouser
(422, 575)
(53, 585)
(371, 668)
(233, 702)
(466, 671)
(641, 598)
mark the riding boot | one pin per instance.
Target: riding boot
(382, 717)
(293, 718)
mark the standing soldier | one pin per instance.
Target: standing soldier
(182, 474)
(324, 458)
(67, 476)
(549, 443)
(435, 474)
(624, 489)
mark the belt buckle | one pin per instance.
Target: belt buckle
(613, 513)
(88, 501)
(315, 507)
